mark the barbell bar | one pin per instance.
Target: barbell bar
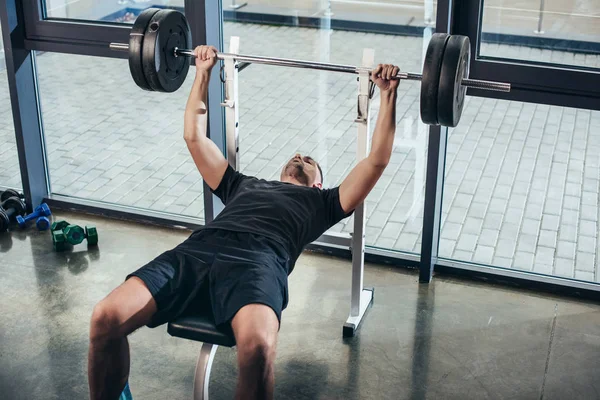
(350, 69)
(160, 41)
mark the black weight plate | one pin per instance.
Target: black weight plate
(4, 221)
(16, 203)
(165, 72)
(8, 193)
(150, 56)
(136, 40)
(431, 78)
(455, 68)
(173, 71)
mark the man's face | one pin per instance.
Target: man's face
(304, 170)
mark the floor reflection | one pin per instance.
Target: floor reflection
(65, 342)
(422, 340)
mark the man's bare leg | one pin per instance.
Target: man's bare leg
(255, 327)
(127, 308)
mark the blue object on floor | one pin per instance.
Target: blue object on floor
(126, 394)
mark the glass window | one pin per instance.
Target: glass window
(124, 11)
(522, 188)
(10, 174)
(553, 32)
(284, 111)
(354, 13)
(109, 140)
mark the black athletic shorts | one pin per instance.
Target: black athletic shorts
(217, 271)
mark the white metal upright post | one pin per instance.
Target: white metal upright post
(360, 298)
(232, 111)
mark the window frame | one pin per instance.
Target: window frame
(566, 86)
(92, 38)
(71, 36)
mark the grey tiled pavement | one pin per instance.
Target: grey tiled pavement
(522, 188)
(10, 175)
(522, 182)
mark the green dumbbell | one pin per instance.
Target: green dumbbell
(63, 233)
(74, 234)
(92, 235)
(58, 240)
(59, 226)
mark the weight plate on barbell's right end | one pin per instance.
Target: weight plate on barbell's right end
(455, 68)
(136, 40)
(431, 78)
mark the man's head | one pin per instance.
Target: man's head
(302, 171)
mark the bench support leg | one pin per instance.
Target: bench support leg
(202, 375)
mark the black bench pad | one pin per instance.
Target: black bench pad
(201, 328)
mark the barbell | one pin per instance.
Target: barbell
(159, 44)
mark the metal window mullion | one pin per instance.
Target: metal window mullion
(88, 37)
(432, 213)
(32, 14)
(434, 181)
(206, 22)
(78, 31)
(575, 89)
(24, 96)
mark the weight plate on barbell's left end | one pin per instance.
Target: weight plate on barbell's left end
(455, 68)
(150, 55)
(136, 40)
(165, 71)
(175, 68)
(431, 78)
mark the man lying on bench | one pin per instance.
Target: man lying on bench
(238, 264)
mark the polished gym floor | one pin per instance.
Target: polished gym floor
(452, 339)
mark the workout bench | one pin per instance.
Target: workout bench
(202, 328)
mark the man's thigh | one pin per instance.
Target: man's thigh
(176, 280)
(237, 280)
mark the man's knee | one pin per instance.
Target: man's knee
(127, 308)
(256, 350)
(105, 324)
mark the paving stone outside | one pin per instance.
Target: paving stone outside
(522, 180)
(10, 175)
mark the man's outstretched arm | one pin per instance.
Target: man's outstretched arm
(363, 177)
(208, 158)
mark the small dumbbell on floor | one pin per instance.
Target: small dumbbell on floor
(41, 212)
(10, 208)
(64, 233)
